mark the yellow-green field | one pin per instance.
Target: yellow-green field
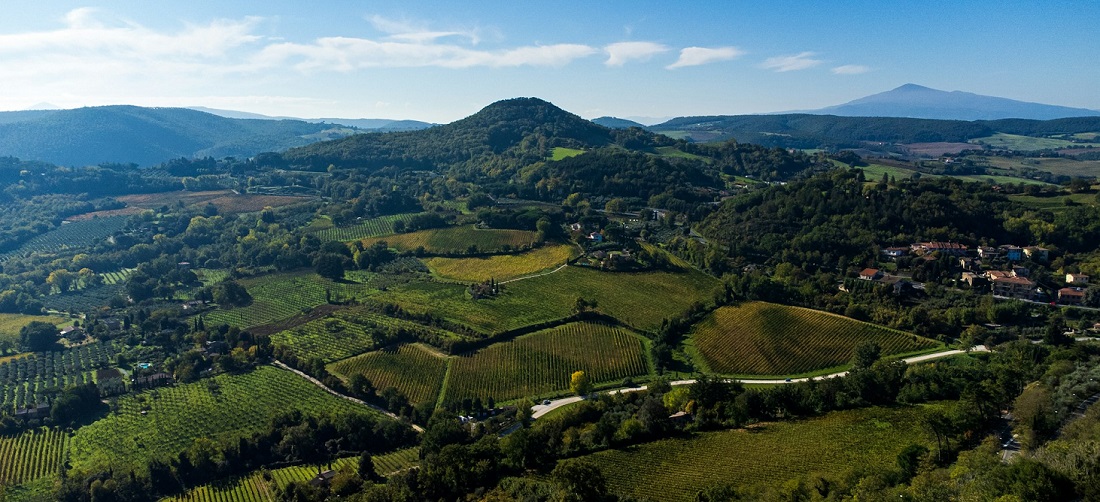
(564, 153)
(458, 240)
(1026, 143)
(501, 267)
(767, 455)
(10, 324)
(758, 338)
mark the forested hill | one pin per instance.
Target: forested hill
(146, 136)
(837, 219)
(514, 128)
(816, 131)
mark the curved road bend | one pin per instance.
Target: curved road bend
(539, 410)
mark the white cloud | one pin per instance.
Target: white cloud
(418, 33)
(620, 53)
(347, 54)
(799, 61)
(850, 69)
(695, 56)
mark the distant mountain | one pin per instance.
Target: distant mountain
(371, 125)
(915, 101)
(147, 136)
(617, 123)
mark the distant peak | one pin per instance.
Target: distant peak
(44, 106)
(913, 87)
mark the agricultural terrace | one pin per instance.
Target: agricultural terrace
(759, 338)
(767, 455)
(501, 267)
(223, 407)
(414, 369)
(453, 240)
(10, 324)
(363, 229)
(31, 455)
(69, 236)
(640, 300)
(541, 363)
(280, 296)
(257, 487)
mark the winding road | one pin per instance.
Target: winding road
(539, 410)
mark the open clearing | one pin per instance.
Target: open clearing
(501, 267)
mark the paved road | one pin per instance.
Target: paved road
(314, 381)
(541, 409)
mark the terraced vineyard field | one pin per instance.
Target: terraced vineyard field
(224, 407)
(543, 362)
(117, 276)
(374, 227)
(759, 338)
(29, 380)
(415, 370)
(768, 455)
(640, 300)
(501, 267)
(349, 332)
(280, 296)
(31, 455)
(255, 488)
(69, 236)
(458, 240)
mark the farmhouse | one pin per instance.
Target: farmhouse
(1071, 296)
(988, 253)
(323, 479)
(870, 274)
(1077, 279)
(895, 252)
(1012, 253)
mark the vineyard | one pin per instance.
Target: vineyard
(760, 338)
(364, 229)
(416, 371)
(541, 363)
(117, 276)
(257, 488)
(69, 236)
(500, 267)
(31, 455)
(163, 422)
(640, 300)
(280, 296)
(769, 455)
(458, 240)
(34, 379)
(248, 203)
(350, 332)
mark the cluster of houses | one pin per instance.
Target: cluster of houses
(1011, 282)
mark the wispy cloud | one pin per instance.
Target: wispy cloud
(418, 32)
(850, 69)
(347, 54)
(695, 56)
(621, 53)
(799, 61)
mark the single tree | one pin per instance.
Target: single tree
(38, 336)
(580, 384)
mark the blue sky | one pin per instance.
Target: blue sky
(441, 61)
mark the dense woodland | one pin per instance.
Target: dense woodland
(764, 224)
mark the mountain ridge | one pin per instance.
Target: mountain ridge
(917, 101)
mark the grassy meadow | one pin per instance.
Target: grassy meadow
(501, 267)
(453, 240)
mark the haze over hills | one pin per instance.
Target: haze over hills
(371, 125)
(915, 101)
(147, 136)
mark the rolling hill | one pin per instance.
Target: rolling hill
(146, 136)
